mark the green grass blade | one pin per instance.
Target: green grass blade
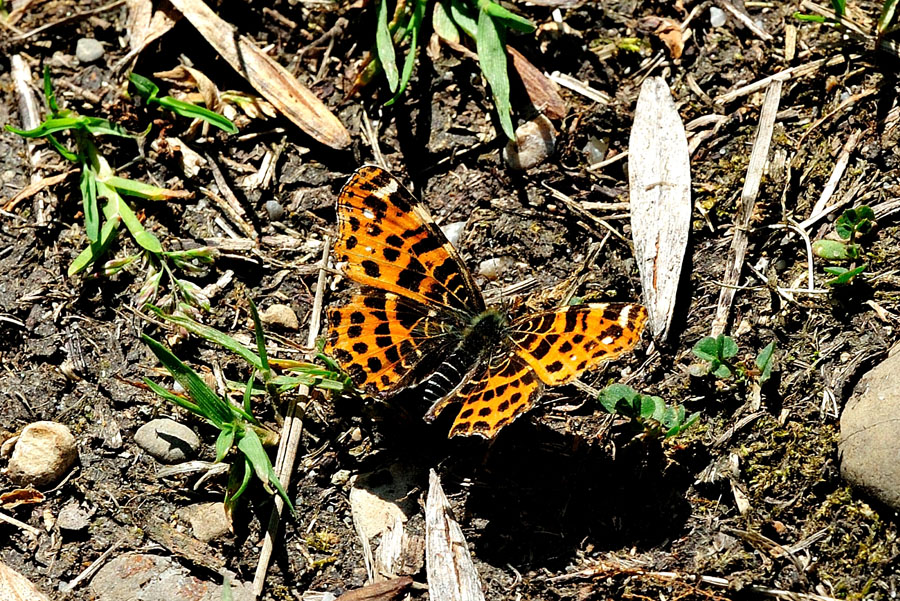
(94, 251)
(217, 411)
(49, 94)
(137, 189)
(144, 86)
(492, 56)
(252, 448)
(888, 10)
(192, 111)
(415, 24)
(384, 45)
(260, 342)
(511, 19)
(443, 23)
(88, 185)
(211, 334)
(118, 206)
(462, 16)
(173, 398)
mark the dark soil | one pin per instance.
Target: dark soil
(560, 505)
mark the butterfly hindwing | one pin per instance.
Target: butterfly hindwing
(560, 345)
(389, 241)
(492, 396)
(379, 338)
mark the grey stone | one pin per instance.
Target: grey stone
(43, 454)
(73, 518)
(869, 444)
(154, 578)
(274, 210)
(167, 440)
(88, 50)
(716, 16)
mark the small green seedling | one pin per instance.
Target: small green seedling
(720, 354)
(886, 23)
(99, 181)
(238, 428)
(150, 92)
(484, 21)
(649, 413)
(850, 227)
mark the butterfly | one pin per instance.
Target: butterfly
(420, 319)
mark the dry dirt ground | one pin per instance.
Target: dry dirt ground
(560, 506)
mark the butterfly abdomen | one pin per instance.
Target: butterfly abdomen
(484, 333)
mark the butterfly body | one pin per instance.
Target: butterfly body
(421, 321)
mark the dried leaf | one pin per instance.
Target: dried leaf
(379, 591)
(659, 177)
(543, 93)
(269, 78)
(21, 496)
(451, 573)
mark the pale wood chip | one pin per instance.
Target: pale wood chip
(451, 573)
(659, 175)
(16, 587)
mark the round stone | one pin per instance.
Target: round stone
(88, 50)
(280, 315)
(870, 434)
(535, 141)
(167, 440)
(274, 210)
(43, 453)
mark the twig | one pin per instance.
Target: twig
(290, 438)
(739, 242)
(229, 203)
(69, 19)
(30, 118)
(68, 587)
(798, 71)
(745, 20)
(11, 520)
(579, 87)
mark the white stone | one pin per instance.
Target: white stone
(717, 16)
(87, 50)
(280, 315)
(43, 454)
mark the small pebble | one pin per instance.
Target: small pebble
(88, 50)
(73, 518)
(492, 268)
(274, 210)
(167, 440)
(453, 231)
(716, 16)
(208, 520)
(535, 141)
(340, 477)
(280, 315)
(43, 453)
(596, 149)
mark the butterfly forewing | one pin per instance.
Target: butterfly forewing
(380, 338)
(389, 241)
(560, 345)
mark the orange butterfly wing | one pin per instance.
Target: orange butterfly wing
(389, 241)
(561, 345)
